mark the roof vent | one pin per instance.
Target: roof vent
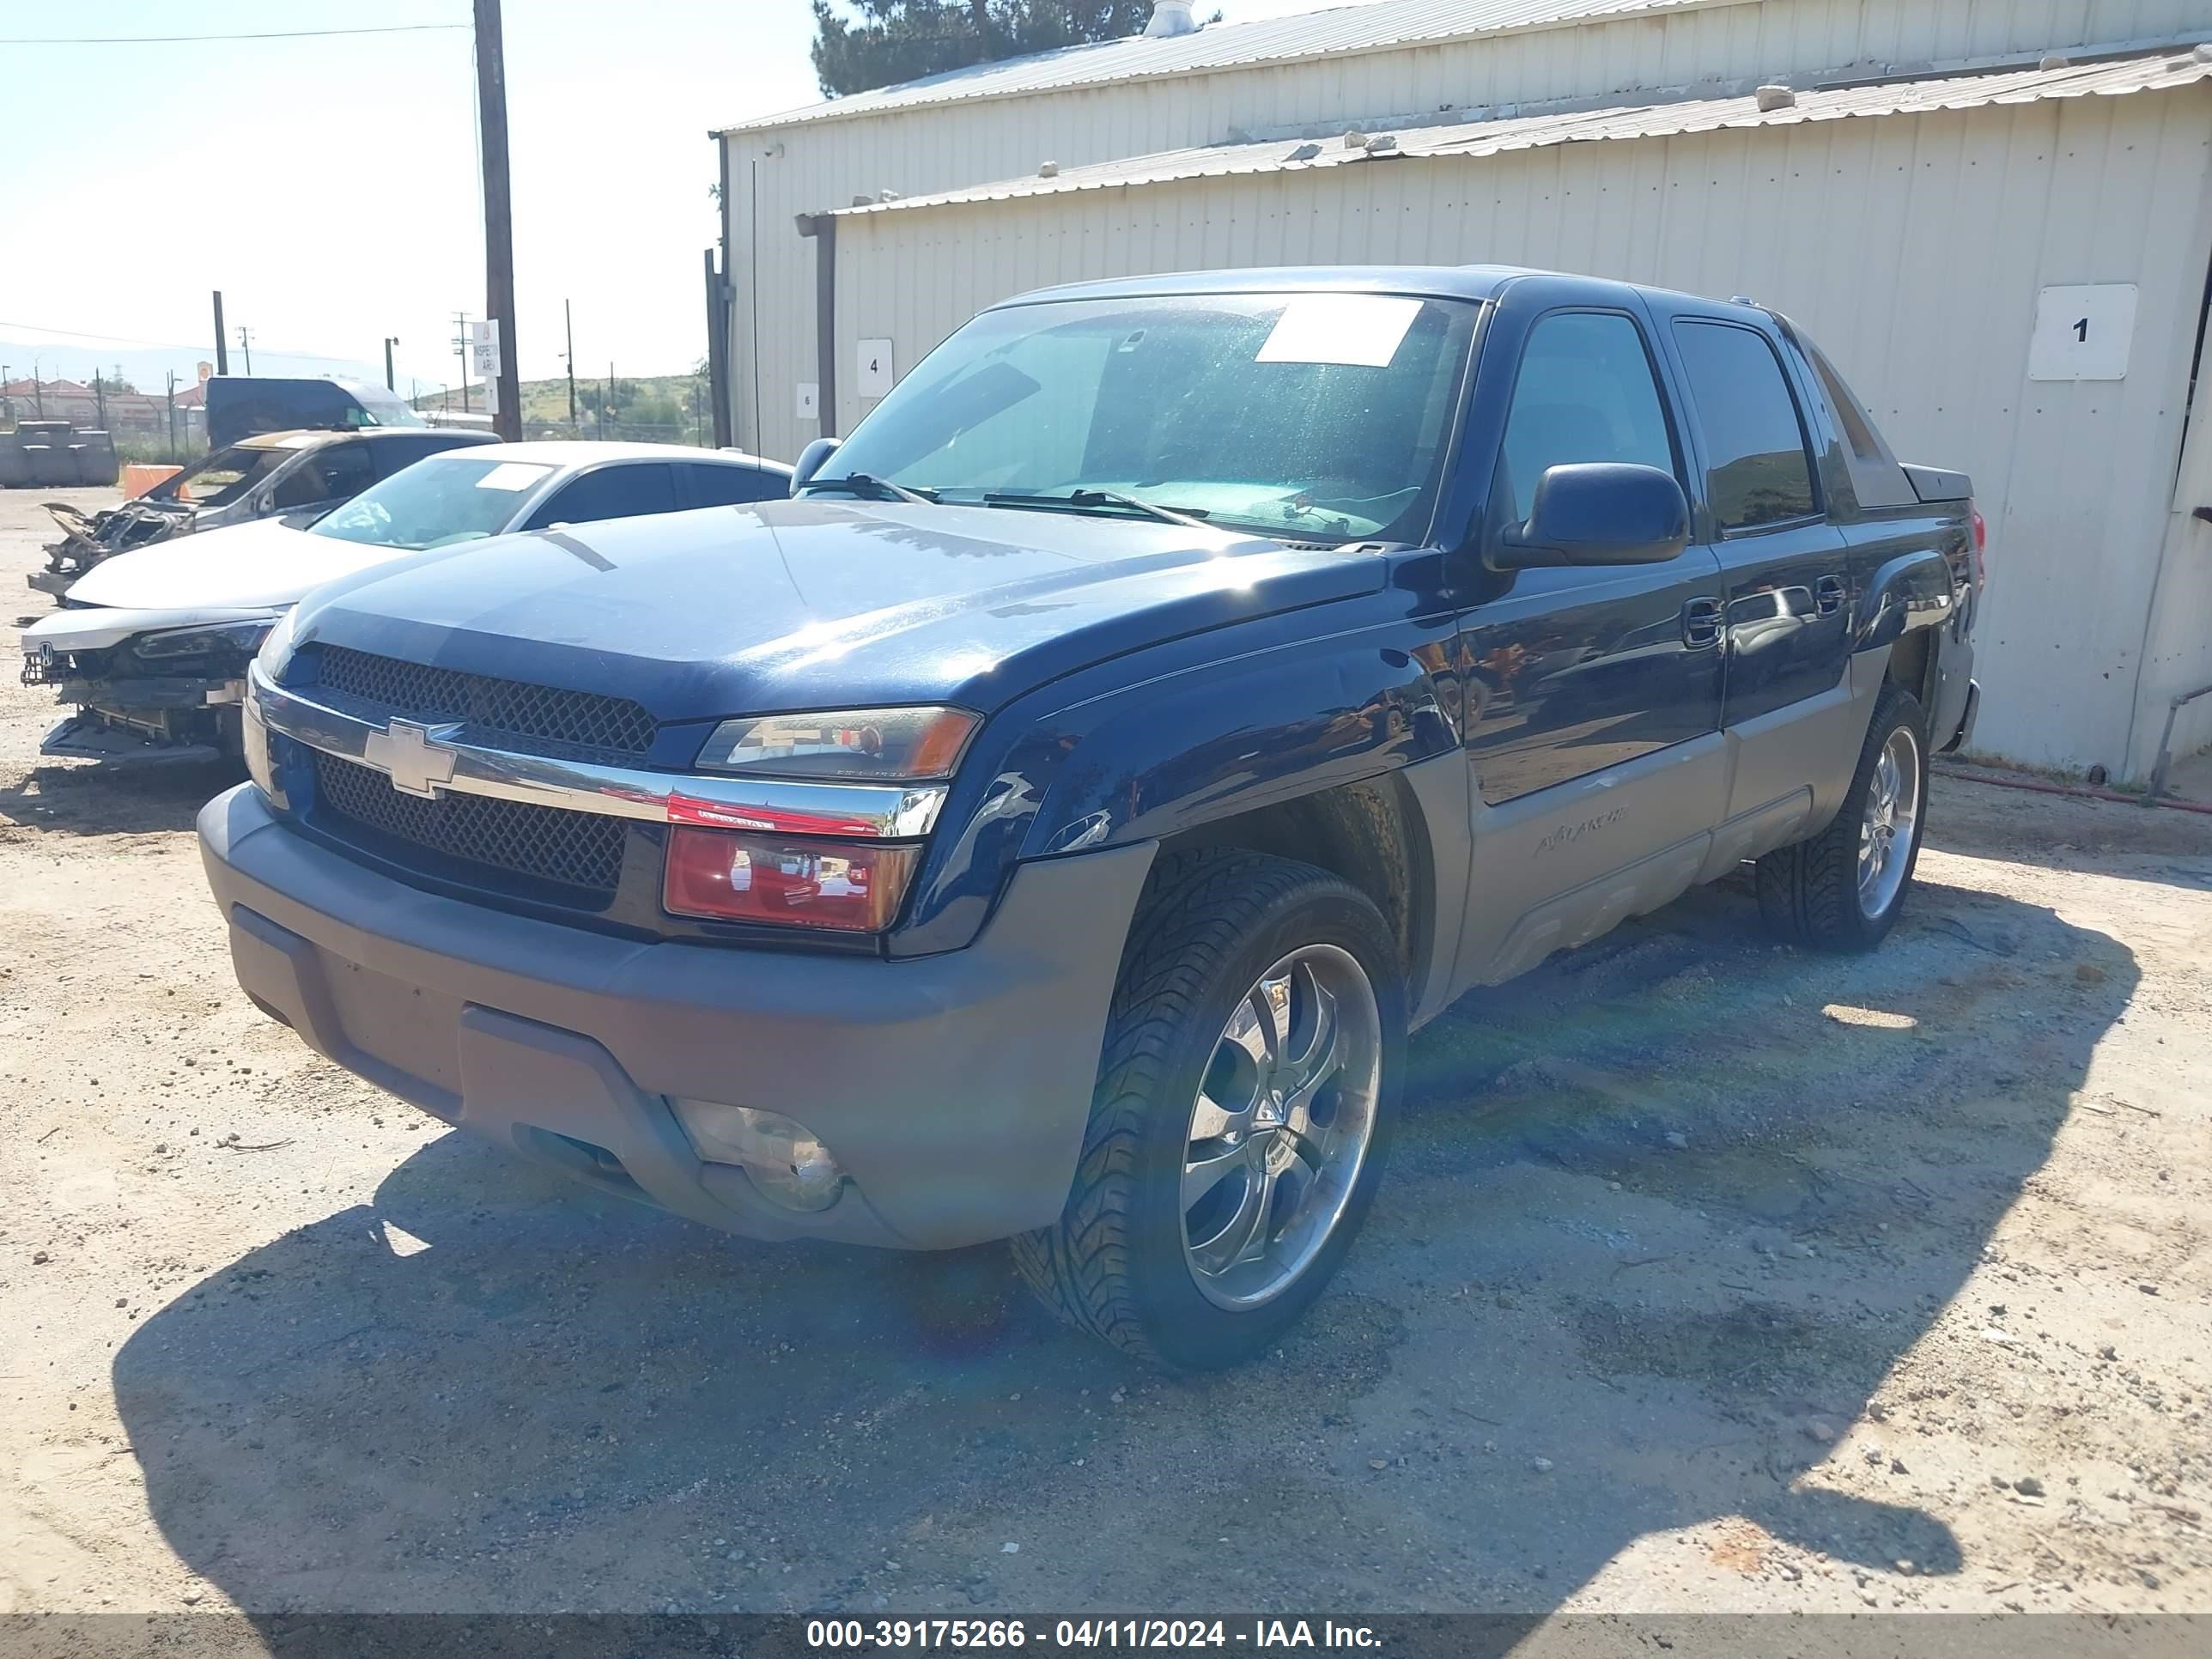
(2204, 52)
(1377, 146)
(2055, 60)
(1775, 97)
(1304, 153)
(1355, 139)
(1048, 169)
(1171, 17)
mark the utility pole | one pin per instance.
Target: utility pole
(606, 398)
(173, 411)
(246, 345)
(98, 401)
(461, 348)
(569, 319)
(390, 340)
(499, 224)
(38, 391)
(222, 350)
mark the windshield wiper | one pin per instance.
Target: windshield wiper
(869, 487)
(1094, 498)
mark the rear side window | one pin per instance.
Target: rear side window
(1585, 392)
(730, 486)
(622, 492)
(1876, 478)
(1755, 440)
(336, 472)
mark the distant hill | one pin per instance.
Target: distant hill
(670, 405)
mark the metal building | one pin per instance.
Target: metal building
(1996, 215)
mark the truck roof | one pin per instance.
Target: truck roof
(1429, 282)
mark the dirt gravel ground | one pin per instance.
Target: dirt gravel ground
(1708, 1275)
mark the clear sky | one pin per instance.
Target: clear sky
(329, 186)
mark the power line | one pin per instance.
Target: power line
(188, 40)
(170, 345)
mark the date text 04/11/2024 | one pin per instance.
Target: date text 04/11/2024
(855, 1633)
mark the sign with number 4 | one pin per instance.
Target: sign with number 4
(875, 366)
(2083, 333)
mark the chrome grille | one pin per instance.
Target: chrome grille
(417, 691)
(579, 852)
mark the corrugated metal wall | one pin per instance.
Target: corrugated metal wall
(1912, 247)
(775, 175)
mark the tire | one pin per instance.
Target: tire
(1812, 893)
(1129, 1259)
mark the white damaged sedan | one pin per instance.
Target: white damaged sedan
(151, 648)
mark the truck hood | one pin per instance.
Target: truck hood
(821, 603)
(263, 565)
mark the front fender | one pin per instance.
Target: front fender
(1912, 590)
(1150, 746)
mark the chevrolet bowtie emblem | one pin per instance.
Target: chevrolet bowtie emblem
(413, 756)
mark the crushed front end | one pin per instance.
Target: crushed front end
(165, 693)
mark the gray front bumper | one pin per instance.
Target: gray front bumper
(953, 1089)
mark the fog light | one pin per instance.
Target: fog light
(782, 1156)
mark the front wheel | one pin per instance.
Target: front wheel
(1843, 889)
(1245, 1098)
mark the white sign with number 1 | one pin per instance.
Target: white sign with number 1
(2084, 332)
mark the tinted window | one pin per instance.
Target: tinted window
(392, 453)
(1876, 479)
(726, 486)
(331, 474)
(1585, 393)
(1760, 472)
(622, 491)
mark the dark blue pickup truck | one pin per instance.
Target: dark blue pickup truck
(1051, 821)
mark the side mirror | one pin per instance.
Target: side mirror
(811, 460)
(1599, 512)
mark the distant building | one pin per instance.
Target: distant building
(1945, 194)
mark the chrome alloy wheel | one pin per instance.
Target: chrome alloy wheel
(1280, 1128)
(1892, 809)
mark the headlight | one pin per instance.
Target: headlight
(275, 653)
(871, 745)
(244, 637)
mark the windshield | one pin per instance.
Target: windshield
(1316, 417)
(443, 498)
(218, 479)
(384, 408)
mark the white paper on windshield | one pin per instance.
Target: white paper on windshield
(1340, 328)
(512, 475)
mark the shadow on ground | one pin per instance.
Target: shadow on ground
(98, 800)
(1658, 1228)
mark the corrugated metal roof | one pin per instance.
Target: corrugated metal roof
(1372, 27)
(2154, 72)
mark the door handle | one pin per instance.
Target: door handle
(1701, 622)
(1829, 590)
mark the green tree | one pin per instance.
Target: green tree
(863, 44)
